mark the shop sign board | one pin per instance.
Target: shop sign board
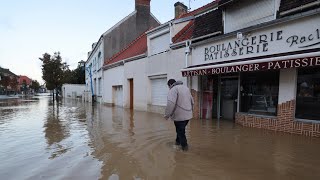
(297, 35)
(250, 67)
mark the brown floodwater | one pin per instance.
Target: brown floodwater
(73, 140)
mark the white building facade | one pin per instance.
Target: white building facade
(73, 91)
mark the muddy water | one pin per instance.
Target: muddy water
(71, 140)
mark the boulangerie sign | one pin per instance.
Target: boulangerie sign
(298, 35)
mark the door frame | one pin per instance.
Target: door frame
(131, 90)
(220, 78)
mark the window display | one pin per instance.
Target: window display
(308, 94)
(259, 92)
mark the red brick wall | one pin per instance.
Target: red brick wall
(283, 122)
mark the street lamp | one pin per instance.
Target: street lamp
(82, 64)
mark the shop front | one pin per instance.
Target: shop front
(269, 78)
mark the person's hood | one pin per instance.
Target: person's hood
(176, 83)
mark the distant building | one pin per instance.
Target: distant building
(8, 81)
(24, 82)
(113, 41)
(73, 91)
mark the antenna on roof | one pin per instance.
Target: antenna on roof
(189, 8)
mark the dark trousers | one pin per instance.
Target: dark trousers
(181, 132)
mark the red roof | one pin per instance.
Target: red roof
(24, 79)
(199, 10)
(185, 33)
(135, 48)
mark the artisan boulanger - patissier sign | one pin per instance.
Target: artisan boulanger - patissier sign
(271, 65)
(290, 37)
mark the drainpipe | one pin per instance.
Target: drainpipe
(170, 30)
(187, 53)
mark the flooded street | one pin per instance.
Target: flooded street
(73, 140)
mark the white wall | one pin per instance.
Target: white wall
(72, 90)
(159, 44)
(96, 70)
(136, 70)
(178, 27)
(287, 85)
(169, 63)
(248, 13)
(112, 77)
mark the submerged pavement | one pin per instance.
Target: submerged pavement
(73, 140)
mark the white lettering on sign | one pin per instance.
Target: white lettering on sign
(274, 65)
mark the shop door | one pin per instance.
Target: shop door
(131, 93)
(229, 97)
(119, 96)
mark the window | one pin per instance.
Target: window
(308, 94)
(209, 91)
(160, 44)
(259, 92)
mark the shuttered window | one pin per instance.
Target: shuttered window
(159, 91)
(118, 99)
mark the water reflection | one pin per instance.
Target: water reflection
(72, 140)
(56, 130)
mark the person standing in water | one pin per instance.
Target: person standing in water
(179, 109)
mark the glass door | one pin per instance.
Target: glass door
(228, 97)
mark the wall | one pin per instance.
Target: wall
(127, 31)
(136, 70)
(167, 64)
(112, 77)
(73, 91)
(177, 27)
(287, 85)
(96, 70)
(251, 13)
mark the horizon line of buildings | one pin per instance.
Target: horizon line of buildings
(252, 62)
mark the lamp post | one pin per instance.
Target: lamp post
(82, 64)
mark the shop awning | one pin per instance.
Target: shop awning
(283, 62)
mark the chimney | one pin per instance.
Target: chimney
(179, 9)
(143, 6)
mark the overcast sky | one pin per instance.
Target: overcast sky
(29, 28)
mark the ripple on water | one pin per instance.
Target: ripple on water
(71, 140)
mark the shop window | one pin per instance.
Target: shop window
(259, 92)
(308, 94)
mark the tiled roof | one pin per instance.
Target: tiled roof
(135, 48)
(185, 33)
(290, 4)
(6, 72)
(199, 10)
(208, 23)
